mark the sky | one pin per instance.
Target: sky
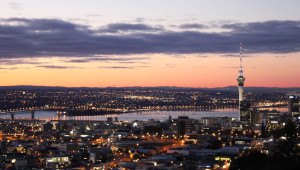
(117, 43)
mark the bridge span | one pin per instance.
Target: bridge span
(13, 112)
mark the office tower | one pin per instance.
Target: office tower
(182, 126)
(294, 105)
(109, 120)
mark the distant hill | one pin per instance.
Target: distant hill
(229, 88)
(261, 89)
(27, 87)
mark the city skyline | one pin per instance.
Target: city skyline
(129, 43)
(149, 84)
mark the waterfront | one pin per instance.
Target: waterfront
(142, 115)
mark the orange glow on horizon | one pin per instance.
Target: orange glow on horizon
(268, 70)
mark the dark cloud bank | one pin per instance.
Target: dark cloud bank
(21, 38)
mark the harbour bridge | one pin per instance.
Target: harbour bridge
(19, 111)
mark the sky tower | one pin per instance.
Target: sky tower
(241, 80)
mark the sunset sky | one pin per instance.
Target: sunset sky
(185, 43)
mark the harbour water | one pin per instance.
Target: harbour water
(141, 115)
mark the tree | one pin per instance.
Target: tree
(215, 144)
(288, 147)
(259, 161)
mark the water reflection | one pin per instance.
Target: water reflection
(143, 115)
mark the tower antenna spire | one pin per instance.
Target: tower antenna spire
(241, 56)
(241, 60)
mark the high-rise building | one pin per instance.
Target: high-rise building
(182, 126)
(244, 113)
(109, 120)
(294, 105)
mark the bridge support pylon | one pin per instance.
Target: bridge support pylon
(32, 114)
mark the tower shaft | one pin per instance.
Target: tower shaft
(241, 91)
(241, 80)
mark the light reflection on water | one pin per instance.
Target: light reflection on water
(143, 115)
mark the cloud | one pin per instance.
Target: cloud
(15, 6)
(269, 36)
(121, 67)
(140, 19)
(116, 67)
(125, 27)
(24, 38)
(170, 65)
(234, 67)
(193, 26)
(9, 68)
(58, 67)
(230, 67)
(104, 58)
(94, 15)
(131, 62)
(17, 61)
